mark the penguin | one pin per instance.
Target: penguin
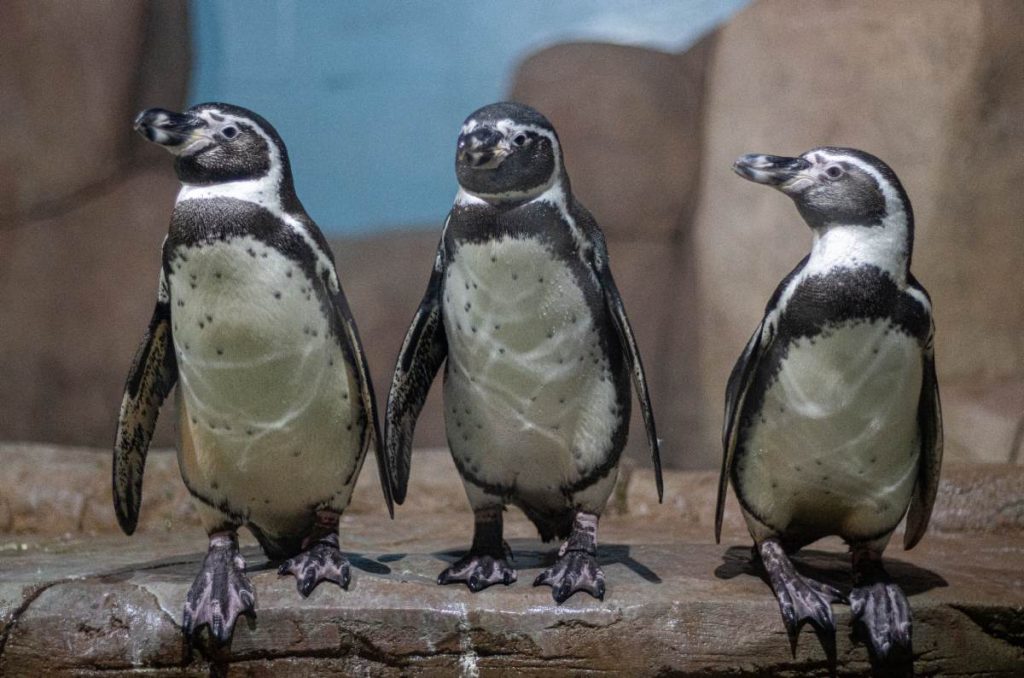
(275, 404)
(522, 308)
(833, 424)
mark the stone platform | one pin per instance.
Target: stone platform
(76, 598)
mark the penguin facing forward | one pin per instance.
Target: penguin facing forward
(832, 421)
(275, 404)
(522, 307)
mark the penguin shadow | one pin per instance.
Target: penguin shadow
(833, 568)
(359, 561)
(526, 556)
(187, 565)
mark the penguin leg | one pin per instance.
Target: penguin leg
(576, 568)
(486, 563)
(801, 599)
(320, 559)
(880, 611)
(221, 591)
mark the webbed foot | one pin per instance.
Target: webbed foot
(574, 571)
(479, 570)
(881, 614)
(486, 563)
(576, 568)
(323, 561)
(221, 591)
(801, 600)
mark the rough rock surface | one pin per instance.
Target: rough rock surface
(89, 603)
(934, 89)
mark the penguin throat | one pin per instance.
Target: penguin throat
(850, 246)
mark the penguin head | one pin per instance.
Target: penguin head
(833, 186)
(507, 152)
(216, 143)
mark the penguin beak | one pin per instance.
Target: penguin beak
(788, 175)
(177, 132)
(484, 148)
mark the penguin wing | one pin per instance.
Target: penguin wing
(366, 393)
(424, 349)
(153, 374)
(929, 420)
(735, 392)
(617, 310)
(740, 378)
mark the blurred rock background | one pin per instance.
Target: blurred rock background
(934, 88)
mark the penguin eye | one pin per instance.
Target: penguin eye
(519, 139)
(834, 172)
(229, 132)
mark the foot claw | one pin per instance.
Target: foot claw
(219, 595)
(322, 561)
(478, 571)
(573, 571)
(884, 613)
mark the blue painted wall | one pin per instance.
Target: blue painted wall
(369, 94)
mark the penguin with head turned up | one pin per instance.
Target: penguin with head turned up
(522, 308)
(275, 405)
(832, 420)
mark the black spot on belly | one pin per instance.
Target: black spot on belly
(277, 295)
(220, 351)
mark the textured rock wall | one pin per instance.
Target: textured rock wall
(82, 211)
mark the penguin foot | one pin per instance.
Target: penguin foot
(801, 599)
(323, 561)
(480, 570)
(221, 591)
(573, 571)
(883, 612)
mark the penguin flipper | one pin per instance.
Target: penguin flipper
(739, 382)
(423, 351)
(617, 310)
(373, 439)
(929, 419)
(735, 392)
(153, 374)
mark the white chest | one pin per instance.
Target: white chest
(528, 386)
(837, 440)
(252, 341)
